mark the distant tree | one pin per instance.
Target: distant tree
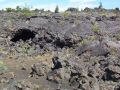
(87, 9)
(117, 9)
(73, 9)
(36, 10)
(100, 5)
(26, 9)
(18, 9)
(10, 10)
(57, 9)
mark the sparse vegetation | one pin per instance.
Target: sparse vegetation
(10, 24)
(25, 11)
(3, 68)
(66, 14)
(95, 27)
(26, 48)
(72, 48)
(117, 37)
(84, 42)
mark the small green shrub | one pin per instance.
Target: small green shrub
(117, 37)
(84, 42)
(95, 27)
(25, 48)
(3, 68)
(1, 63)
(66, 14)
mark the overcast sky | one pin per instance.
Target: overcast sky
(63, 4)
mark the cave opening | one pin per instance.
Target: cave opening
(23, 34)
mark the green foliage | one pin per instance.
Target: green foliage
(100, 6)
(29, 14)
(87, 9)
(3, 68)
(10, 10)
(84, 42)
(117, 37)
(117, 9)
(73, 9)
(66, 14)
(57, 9)
(1, 63)
(87, 40)
(25, 48)
(25, 11)
(18, 9)
(95, 27)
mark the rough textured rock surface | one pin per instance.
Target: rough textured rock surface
(60, 51)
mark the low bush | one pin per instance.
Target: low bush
(10, 10)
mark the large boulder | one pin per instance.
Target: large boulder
(39, 69)
(95, 48)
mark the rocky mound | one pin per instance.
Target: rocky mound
(60, 51)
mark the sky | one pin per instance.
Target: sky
(63, 4)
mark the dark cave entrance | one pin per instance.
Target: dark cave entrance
(23, 34)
